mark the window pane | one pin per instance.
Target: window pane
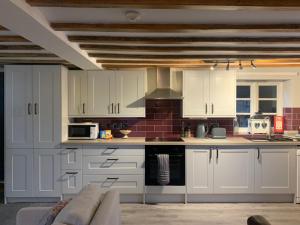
(243, 91)
(243, 120)
(267, 106)
(267, 91)
(243, 106)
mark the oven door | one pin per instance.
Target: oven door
(79, 132)
(176, 164)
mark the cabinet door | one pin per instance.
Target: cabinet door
(46, 106)
(275, 170)
(71, 158)
(101, 93)
(18, 173)
(199, 171)
(233, 171)
(77, 85)
(18, 107)
(130, 90)
(222, 94)
(71, 181)
(46, 174)
(195, 93)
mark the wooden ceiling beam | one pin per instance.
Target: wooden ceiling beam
(164, 4)
(189, 57)
(24, 55)
(151, 62)
(172, 28)
(119, 48)
(12, 38)
(20, 47)
(31, 61)
(179, 40)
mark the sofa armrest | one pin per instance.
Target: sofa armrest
(109, 211)
(31, 215)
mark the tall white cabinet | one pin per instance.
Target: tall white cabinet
(209, 93)
(35, 122)
(107, 93)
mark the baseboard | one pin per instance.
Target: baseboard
(26, 200)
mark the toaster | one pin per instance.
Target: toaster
(218, 133)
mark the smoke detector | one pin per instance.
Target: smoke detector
(132, 16)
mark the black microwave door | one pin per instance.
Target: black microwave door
(79, 131)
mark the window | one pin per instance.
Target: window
(252, 97)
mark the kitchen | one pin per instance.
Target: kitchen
(197, 109)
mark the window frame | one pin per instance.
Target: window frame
(254, 99)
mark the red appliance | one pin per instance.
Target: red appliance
(278, 124)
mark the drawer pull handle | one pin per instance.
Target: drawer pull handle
(72, 148)
(112, 178)
(112, 148)
(71, 173)
(112, 159)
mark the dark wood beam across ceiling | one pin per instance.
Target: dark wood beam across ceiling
(2, 28)
(172, 28)
(12, 38)
(164, 4)
(180, 40)
(20, 47)
(118, 48)
(25, 55)
(189, 57)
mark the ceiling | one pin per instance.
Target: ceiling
(93, 34)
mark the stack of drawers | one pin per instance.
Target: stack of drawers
(120, 168)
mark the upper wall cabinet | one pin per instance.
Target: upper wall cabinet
(33, 106)
(209, 93)
(106, 93)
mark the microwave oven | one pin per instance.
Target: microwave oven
(83, 131)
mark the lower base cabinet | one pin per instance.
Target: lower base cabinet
(46, 164)
(71, 181)
(275, 171)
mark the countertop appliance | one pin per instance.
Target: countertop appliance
(218, 133)
(83, 131)
(259, 124)
(202, 131)
(176, 164)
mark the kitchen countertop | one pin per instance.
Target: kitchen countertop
(229, 141)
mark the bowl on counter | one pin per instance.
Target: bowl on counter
(125, 133)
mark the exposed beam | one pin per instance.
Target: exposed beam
(188, 57)
(32, 24)
(180, 40)
(119, 48)
(12, 38)
(24, 55)
(151, 62)
(172, 28)
(20, 47)
(31, 61)
(2, 28)
(165, 4)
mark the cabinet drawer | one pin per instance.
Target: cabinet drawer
(125, 184)
(71, 158)
(71, 181)
(112, 151)
(113, 165)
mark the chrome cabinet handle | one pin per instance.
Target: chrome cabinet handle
(258, 153)
(112, 178)
(112, 108)
(118, 108)
(83, 108)
(217, 153)
(36, 108)
(71, 173)
(112, 159)
(72, 148)
(206, 108)
(212, 108)
(29, 108)
(210, 154)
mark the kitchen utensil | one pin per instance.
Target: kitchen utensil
(125, 133)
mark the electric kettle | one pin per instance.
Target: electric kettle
(202, 131)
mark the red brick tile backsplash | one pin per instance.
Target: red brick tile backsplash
(163, 119)
(292, 118)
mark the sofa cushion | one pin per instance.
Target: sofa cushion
(81, 209)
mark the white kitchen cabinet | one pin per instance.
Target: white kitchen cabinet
(275, 170)
(46, 106)
(222, 93)
(71, 158)
(71, 181)
(130, 93)
(19, 173)
(46, 164)
(233, 171)
(199, 170)
(209, 93)
(101, 93)
(18, 107)
(196, 93)
(78, 92)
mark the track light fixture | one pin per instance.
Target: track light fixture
(228, 65)
(240, 65)
(253, 65)
(213, 67)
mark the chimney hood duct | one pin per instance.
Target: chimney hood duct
(164, 84)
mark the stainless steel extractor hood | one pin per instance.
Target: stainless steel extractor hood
(164, 84)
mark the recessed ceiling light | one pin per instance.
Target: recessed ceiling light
(132, 16)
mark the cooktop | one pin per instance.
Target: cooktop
(163, 139)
